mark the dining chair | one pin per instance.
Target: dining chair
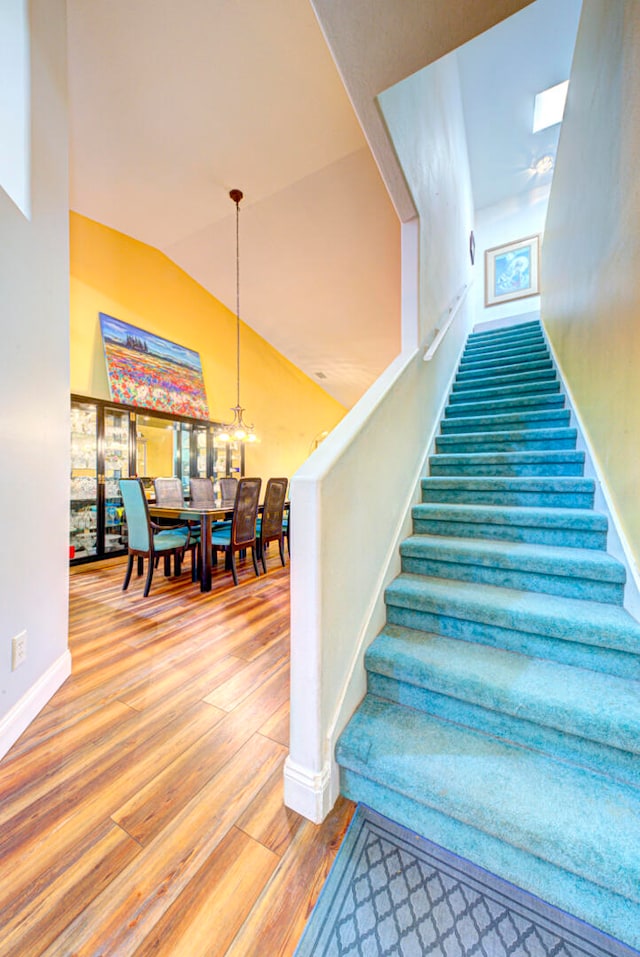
(169, 492)
(150, 541)
(270, 523)
(202, 492)
(242, 532)
(228, 490)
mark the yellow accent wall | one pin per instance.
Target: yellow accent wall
(113, 273)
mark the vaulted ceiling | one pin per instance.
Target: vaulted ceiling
(173, 104)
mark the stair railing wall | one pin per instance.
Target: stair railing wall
(351, 504)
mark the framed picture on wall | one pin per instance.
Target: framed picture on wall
(512, 271)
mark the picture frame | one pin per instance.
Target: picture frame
(512, 271)
(149, 372)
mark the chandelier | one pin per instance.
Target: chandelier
(237, 429)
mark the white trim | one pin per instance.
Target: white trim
(308, 793)
(31, 704)
(617, 542)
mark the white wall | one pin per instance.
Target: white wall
(351, 499)
(591, 291)
(514, 219)
(34, 394)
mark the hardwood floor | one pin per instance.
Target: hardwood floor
(142, 811)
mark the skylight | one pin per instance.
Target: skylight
(549, 106)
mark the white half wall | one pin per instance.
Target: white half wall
(34, 393)
(351, 501)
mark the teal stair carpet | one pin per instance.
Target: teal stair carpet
(502, 716)
(391, 893)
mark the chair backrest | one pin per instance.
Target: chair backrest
(202, 492)
(228, 489)
(273, 508)
(245, 512)
(136, 513)
(169, 492)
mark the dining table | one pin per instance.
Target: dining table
(205, 515)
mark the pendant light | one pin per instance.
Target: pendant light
(237, 429)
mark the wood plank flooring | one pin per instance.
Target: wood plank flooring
(142, 812)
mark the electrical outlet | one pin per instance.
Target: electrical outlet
(18, 650)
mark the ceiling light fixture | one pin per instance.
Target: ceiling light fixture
(237, 429)
(544, 164)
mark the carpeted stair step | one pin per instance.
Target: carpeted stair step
(589, 574)
(587, 634)
(537, 419)
(516, 391)
(565, 527)
(534, 349)
(510, 404)
(582, 716)
(563, 462)
(544, 492)
(506, 332)
(480, 343)
(513, 368)
(506, 379)
(497, 364)
(415, 766)
(511, 441)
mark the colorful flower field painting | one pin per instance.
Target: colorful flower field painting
(152, 373)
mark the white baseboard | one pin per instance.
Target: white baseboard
(306, 792)
(31, 704)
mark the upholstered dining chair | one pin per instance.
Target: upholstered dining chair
(270, 524)
(169, 492)
(150, 541)
(242, 532)
(202, 492)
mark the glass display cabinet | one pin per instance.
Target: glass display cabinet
(111, 441)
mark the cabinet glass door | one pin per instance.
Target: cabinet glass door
(83, 529)
(184, 456)
(200, 451)
(116, 466)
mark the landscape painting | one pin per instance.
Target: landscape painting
(147, 371)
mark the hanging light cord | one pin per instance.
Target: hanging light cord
(237, 202)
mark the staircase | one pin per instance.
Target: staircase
(502, 717)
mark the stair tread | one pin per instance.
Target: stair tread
(463, 383)
(500, 422)
(550, 559)
(524, 483)
(597, 706)
(578, 518)
(510, 435)
(506, 404)
(569, 816)
(524, 456)
(570, 619)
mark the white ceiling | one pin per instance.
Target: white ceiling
(173, 104)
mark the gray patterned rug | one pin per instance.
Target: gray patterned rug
(391, 893)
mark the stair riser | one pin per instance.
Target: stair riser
(563, 585)
(514, 470)
(531, 421)
(535, 349)
(497, 364)
(504, 392)
(562, 742)
(522, 342)
(533, 535)
(607, 660)
(454, 446)
(551, 400)
(498, 381)
(519, 328)
(510, 368)
(553, 499)
(607, 910)
(478, 340)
